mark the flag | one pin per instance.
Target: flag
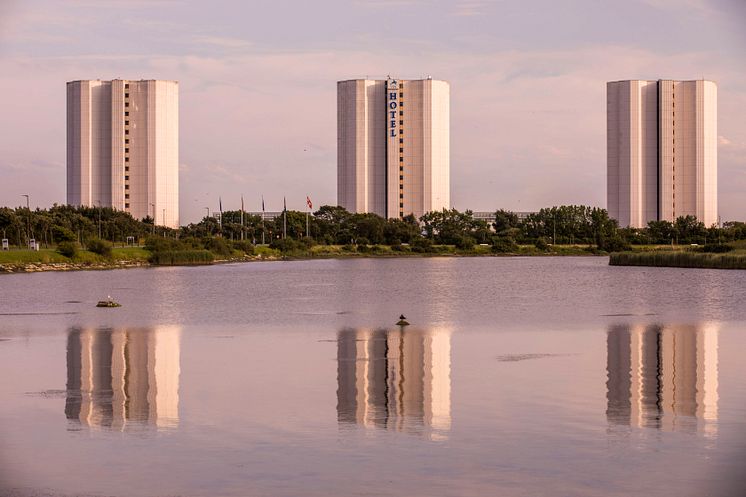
(308, 201)
(262, 203)
(220, 202)
(284, 204)
(241, 203)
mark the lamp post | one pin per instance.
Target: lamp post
(28, 221)
(99, 218)
(153, 206)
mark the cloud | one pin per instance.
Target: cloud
(527, 122)
(469, 8)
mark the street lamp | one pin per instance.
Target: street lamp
(99, 218)
(28, 224)
(153, 206)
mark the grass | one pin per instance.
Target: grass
(31, 256)
(49, 256)
(680, 258)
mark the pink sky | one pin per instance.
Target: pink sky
(258, 88)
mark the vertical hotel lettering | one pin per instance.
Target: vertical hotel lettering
(395, 125)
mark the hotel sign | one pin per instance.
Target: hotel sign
(392, 102)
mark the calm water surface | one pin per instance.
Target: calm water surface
(518, 376)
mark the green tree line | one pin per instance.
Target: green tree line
(571, 224)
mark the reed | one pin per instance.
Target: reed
(679, 259)
(181, 257)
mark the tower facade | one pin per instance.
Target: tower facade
(123, 147)
(393, 150)
(661, 151)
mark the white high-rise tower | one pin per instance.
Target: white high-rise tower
(661, 151)
(393, 155)
(123, 147)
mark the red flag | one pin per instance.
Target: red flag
(308, 201)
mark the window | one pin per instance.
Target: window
(401, 178)
(126, 113)
(401, 122)
(401, 195)
(126, 178)
(401, 140)
(401, 94)
(127, 159)
(401, 159)
(126, 169)
(126, 131)
(401, 150)
(127, 196)
(126, 150)
(126, 95)
(401, 205)
(126, 123)
(126, 86)
(126, 206)
(126, 104)
(401, 104)
(126, 140)
(401, 112)
(401, 131)
(126, 187)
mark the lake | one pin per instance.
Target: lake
(517, 377)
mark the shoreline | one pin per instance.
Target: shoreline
(38, 267)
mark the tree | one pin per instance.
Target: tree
(505, 220)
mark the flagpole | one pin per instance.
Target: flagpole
(262, 219)
(308, 212)
(284, 218)
(241, 217)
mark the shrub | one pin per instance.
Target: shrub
(504, 245)
(158, 243)
(62, 234)
(464, 242)
(541, 244)
(614, 244)
(100, 247)
(68, 249)
(717, 248)
(285, 245)
(422, 245)
(349, 247)
(218, 246)
(244, 246)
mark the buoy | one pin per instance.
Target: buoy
(402, 321)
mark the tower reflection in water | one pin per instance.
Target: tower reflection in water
(118, 378)
(395, 379)
(663, 377)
